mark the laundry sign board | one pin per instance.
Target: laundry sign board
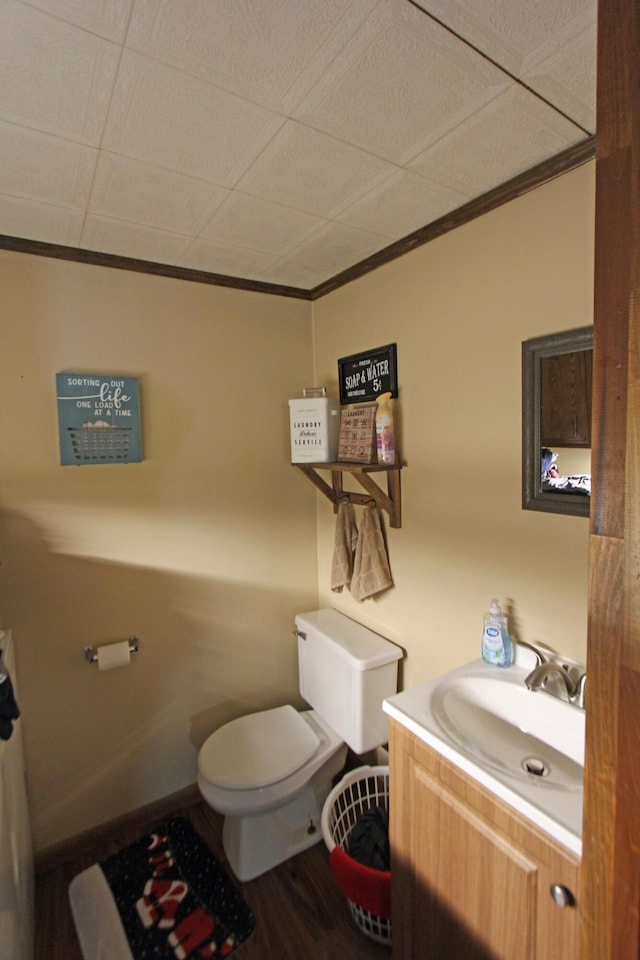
(98, 419)
(364, 376)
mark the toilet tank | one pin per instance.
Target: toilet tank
(346, 671)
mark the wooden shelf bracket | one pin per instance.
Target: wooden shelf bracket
(389, 501)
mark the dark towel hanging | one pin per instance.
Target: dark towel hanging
(8, 707)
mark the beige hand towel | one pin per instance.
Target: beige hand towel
(371, 573)
(343, 548)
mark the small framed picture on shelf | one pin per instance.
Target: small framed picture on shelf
(358, 435)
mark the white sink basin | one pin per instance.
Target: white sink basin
(511, 728)
(525, 746)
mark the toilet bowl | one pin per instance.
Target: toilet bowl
(253, 764)
(269, 773)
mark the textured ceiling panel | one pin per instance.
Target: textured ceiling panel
(281, 141)
(258, 224)
(565, 76)
(55, 78)
(270, 53)
(132, 240)
(401, 85)
(323, 255)
(37, 166)
(217, 257)
(510, 135)
(106, 18)
(509, 32)
(139, 193)
(192, 127)
(402, 204)
(47, 222)
(313, 172)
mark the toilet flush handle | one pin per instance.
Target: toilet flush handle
(299, 633)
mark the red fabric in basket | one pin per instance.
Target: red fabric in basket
(368, 888)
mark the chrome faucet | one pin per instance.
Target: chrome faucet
(575, 689)
(581, 691)
(540, 657)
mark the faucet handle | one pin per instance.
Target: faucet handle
(579, 696)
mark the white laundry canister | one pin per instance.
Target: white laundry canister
(315, 429)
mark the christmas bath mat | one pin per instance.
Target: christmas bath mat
(164, 897)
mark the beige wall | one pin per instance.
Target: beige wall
(458, 309)
(206, 549)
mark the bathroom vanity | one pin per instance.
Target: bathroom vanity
(471, 878)
(481, 870)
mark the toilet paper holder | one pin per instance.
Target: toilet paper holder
(91, 653)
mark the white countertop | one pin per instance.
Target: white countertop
(557, 811)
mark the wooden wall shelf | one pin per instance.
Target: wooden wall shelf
(389, 501)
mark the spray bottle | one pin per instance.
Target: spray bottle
(385, 443)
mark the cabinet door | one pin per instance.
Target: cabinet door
(470, 878)
(474, 896)
(565, 399)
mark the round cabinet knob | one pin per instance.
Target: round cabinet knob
(561, 896)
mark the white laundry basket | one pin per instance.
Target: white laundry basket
(359, 790)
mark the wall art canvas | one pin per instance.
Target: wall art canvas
(98, 419)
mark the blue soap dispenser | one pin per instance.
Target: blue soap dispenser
(497, 648)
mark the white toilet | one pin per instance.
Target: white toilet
(269, 773)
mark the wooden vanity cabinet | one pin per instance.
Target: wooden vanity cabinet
(470, 878)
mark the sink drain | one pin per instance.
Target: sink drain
(535, 766)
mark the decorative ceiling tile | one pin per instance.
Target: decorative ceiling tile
(271, 53)
(132, 240)
(107, 18)
(215, 257)
(403, 203)
(41, 167)
(138, 192)
(401, 85)
(509, 136)
(567, 76)
(536, 42)
(329, 251)
(312, 172)
(165, 117)
(34, 220)
(54, 77)
(285, 140)
(291, 272)
(257, 224)
(509, 31)
(337, 245)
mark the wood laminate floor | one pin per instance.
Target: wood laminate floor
(300, 912)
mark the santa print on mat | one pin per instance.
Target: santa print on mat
(161, 900)
(187, 907)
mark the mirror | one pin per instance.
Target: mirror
(556, 422)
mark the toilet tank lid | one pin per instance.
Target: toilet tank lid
(363, 648)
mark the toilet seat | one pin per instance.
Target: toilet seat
(257, 750)
(248, 802)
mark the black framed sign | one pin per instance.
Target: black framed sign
(364, 376)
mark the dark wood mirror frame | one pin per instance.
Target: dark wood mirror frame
(533, 353)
